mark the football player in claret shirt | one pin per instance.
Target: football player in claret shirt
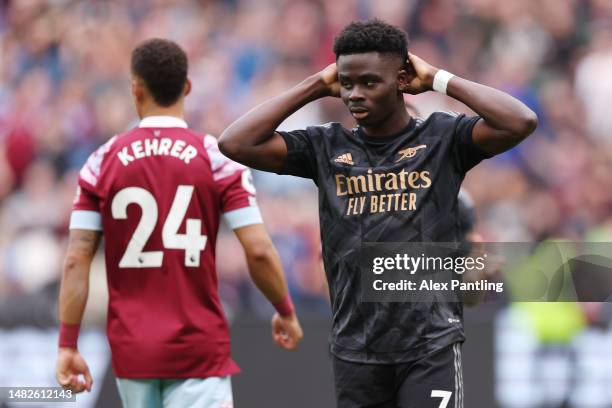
(157, 193)
(393, 178)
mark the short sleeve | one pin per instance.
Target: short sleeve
(234, 183)
(301, 158)
(86, 205)
(85, 213)
(466, 153)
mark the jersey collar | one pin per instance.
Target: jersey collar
(386, 139)
(162, 122)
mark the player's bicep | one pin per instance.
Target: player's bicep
(490, 140)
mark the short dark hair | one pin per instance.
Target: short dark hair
(162, 65)
(372, 35)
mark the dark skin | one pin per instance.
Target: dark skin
(371, 85)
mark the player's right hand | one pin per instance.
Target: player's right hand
(286, 331)
(70, 366)
(329, 78)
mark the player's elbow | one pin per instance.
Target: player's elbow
(228, 148)
(260, 252)
(73, 265)
(526, 123)
(230, 145)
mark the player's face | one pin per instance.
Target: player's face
(369, 87)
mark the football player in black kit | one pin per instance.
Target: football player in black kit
(393, 178)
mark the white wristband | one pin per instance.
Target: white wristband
(440, 81)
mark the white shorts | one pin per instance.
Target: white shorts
(211, 392)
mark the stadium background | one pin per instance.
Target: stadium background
(64, 90)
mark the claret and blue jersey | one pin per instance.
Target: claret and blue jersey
(157, 193)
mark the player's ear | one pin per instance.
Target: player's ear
(403, 80)
(187, 88)
(405, 76)
(137, 90)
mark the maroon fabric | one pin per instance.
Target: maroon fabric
(69, 335)
(164, 321)
(285, 306)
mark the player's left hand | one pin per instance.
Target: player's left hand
(286, 331)
(329, 78)
(420, 76)
(70, 367)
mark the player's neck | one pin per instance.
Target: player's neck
(175, 110)
(393, 125)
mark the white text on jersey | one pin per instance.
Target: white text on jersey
(157, 147)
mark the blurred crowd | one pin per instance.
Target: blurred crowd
(64, 90)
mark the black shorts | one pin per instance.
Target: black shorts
(435, 381)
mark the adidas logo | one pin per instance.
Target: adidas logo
(345, 158)
(409, 152)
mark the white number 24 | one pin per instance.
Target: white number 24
(192, 242)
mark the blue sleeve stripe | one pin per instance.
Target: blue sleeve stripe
(243, 217)
(87, 220)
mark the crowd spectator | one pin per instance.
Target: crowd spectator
(64, 89)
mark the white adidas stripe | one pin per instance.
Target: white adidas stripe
(458, 376)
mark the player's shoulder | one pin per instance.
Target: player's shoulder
(211, 146)
(439, 120)
(328, 128)
(221, 165)
(317, 136)
(444, 116)
(325, 129)
(210, 142)
(90, 172)
(328, 132)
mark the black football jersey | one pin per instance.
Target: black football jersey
(402, 188)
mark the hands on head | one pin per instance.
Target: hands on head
(419, 76)
(329, 77)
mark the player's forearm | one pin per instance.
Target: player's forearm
(267, 273)
(239, 141)
(500, 110)
(74, 290)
